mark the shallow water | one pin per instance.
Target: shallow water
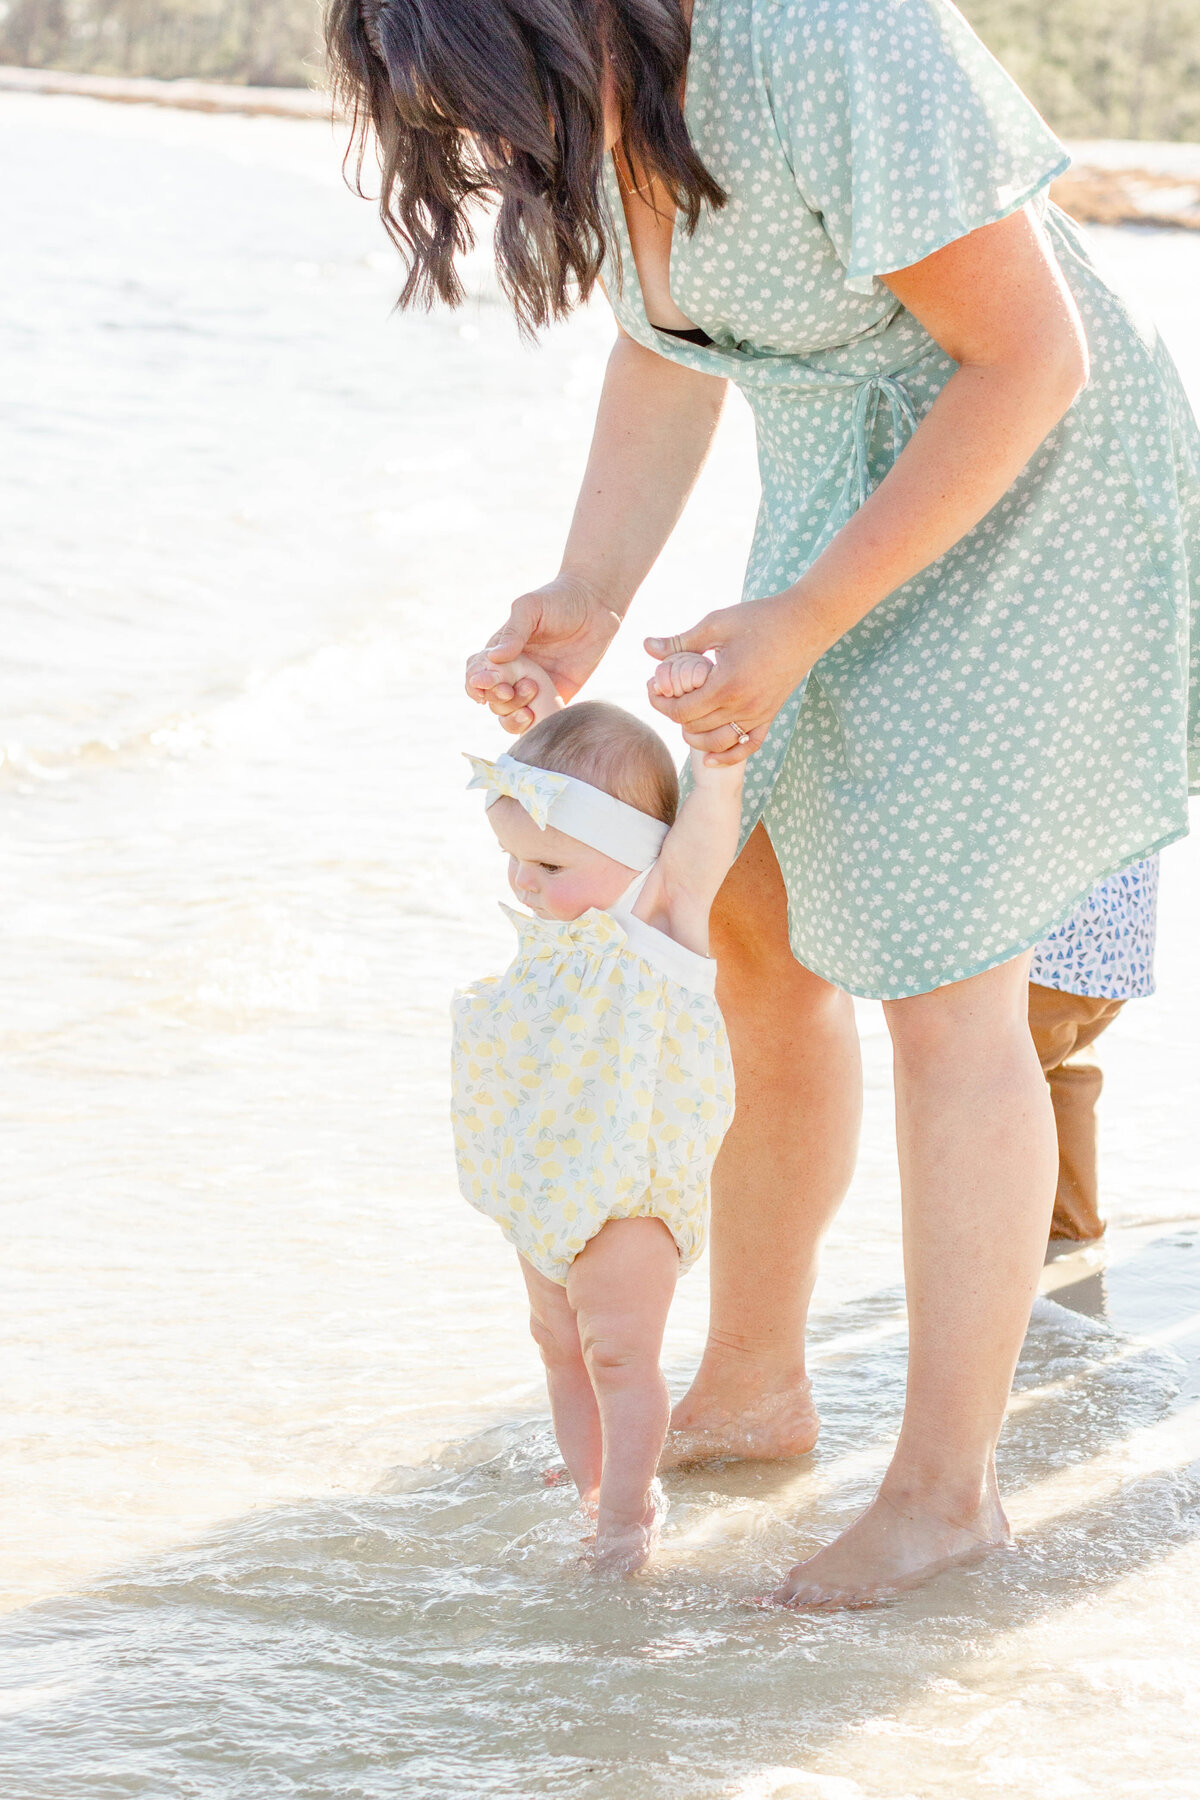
(273, 1520)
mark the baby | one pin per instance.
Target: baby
(592, 1079)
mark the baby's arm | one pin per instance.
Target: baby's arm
(700, 847)
(544, 702)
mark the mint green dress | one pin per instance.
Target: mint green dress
(1013, 724)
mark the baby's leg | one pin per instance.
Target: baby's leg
(620, 1286)
(572, 1397)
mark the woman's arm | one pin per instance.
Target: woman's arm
(654, 426)
(996, 302)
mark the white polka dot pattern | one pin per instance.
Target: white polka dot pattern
(1011, 726)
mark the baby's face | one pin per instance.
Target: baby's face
(552, 874)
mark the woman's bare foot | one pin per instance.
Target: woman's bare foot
(753, 1425)
(624, 1548)
(894, 1546)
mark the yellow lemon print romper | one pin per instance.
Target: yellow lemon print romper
(591, 1081)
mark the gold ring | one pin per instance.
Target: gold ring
(676, 647)
(743, 737)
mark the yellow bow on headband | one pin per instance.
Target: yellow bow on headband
(534, 789)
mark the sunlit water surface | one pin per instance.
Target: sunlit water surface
(273, 1516)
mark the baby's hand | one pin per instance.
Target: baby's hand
(482, 672)
(680, 674)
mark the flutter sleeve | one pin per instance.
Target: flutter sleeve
(903, 132)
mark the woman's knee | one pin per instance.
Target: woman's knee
(964, 1020)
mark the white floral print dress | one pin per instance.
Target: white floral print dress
(591, 1081)
(1011, 725)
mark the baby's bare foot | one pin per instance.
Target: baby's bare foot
(586, 1514)
(891, 1548)
(680, 674)
(763, 1427)
(623, 1547)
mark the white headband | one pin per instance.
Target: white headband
(575, 807)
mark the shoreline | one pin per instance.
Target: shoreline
(1111, 181)
(186, 94)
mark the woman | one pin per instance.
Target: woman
(960, 661)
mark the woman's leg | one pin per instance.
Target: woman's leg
(783, 1170)
(978, 1160)
(620, 1286)
(572, 1398)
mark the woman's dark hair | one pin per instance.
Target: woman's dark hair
(504, 99)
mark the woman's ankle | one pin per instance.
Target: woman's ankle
(962, 1494)
(740, 1363)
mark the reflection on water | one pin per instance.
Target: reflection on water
(274, 1518)
(1088, 1295)
(1156, 1292)
(438, 1637)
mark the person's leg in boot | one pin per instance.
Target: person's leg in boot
(1081, 975)
(1063, 1027)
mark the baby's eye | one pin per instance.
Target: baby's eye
(550, 868)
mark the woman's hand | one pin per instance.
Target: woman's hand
(563, 628)
(762, 655)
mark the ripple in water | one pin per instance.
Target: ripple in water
(439, 1638)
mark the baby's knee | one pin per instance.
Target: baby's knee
(557, 1338)
(618, 1355)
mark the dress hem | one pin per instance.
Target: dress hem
(991, 962)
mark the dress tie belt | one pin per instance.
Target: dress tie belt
(866, 417)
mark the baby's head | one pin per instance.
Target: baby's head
(560, 877)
